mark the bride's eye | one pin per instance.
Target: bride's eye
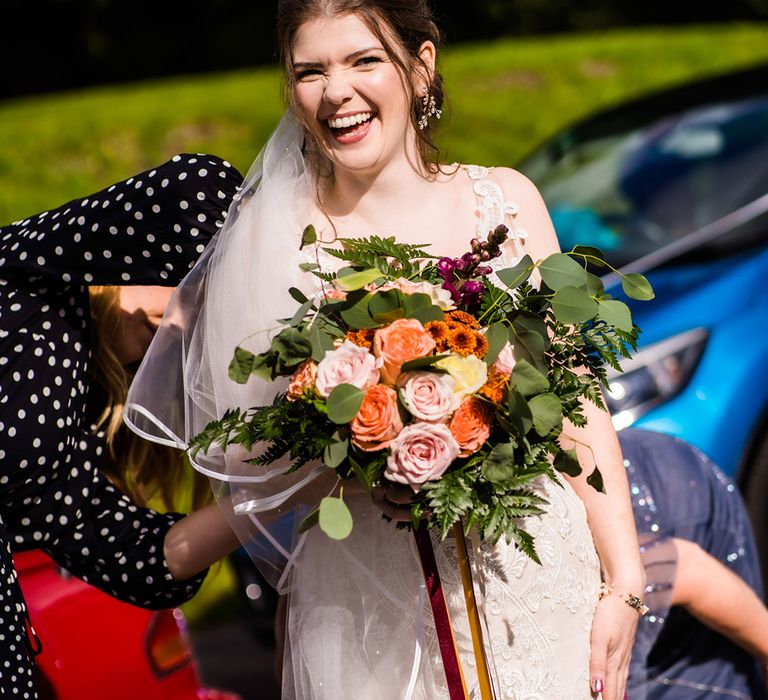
(367, 61)
(306, 74)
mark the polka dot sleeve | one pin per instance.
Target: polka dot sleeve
(148, 229)
(96, 533)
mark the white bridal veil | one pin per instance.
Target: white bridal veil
(233, 296)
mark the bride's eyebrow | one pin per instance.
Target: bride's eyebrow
(348, 59)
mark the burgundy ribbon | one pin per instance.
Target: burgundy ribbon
(440, 613)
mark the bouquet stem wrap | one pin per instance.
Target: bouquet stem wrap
(475, 628)
(457, 687)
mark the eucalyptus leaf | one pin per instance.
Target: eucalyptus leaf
(514, 276)
(264, 366)
(567, 462)
(520, 415)
(355, 310)
(424, 363)
(387, 301)
(527, 379)
(425, 314)
(363, 475)
(335, 453)
(635, 286)
(301, 312)
(547, 413)
(596, 256)
(595, 480)
(560, 270)
(616, 313)
(291, 346)
(320, 341)
(497, 336)
(309, 266)
(335, 518)
(310, 521)
(529, 321)
(358, 280)
(499, 465)
(241, 365)
(343, 403)
(412, 302)
(573, 305)
(595, 286)
(308, 236)
(297, 294)
(529, 345)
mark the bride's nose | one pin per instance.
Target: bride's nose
(338, 88)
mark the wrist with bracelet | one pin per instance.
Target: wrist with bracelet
(634, 601)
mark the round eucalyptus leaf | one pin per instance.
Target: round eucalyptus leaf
(616, 313)
(573, 305)
(560, 270)
(335, 518)
(635, 286)
(547, 413)
(343, 403)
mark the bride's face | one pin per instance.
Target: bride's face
(350, 93)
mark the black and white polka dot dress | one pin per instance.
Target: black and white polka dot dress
(147, 230)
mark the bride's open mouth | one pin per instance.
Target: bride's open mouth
(350, 128)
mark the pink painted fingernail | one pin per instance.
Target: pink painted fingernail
(597, 685)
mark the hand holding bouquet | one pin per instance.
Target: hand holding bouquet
(441, 374)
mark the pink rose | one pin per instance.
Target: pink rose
(348, 364)
(428, 395)
(421, 452)
(471, 424)
(378, 420)
(505, 362)
(399, 342)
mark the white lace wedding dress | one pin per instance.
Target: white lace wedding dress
(359, 625)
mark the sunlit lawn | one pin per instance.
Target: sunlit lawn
(505, 97)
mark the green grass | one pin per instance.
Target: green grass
(505, 97)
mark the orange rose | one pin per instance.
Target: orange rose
(471, 425)
(303, 378)
(401, 341)
(378, 421)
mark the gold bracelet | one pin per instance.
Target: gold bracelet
(630, 599)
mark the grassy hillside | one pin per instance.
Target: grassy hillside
(505, 97)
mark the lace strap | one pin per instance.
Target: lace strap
(492, 208)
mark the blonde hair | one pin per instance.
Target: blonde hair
(142, 469)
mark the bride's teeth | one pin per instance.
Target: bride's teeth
(346, 122)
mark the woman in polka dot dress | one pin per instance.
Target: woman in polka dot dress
(148, 230)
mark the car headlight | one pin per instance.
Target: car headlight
(652, 376)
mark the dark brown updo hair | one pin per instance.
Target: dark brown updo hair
(402, 26)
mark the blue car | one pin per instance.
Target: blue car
(675, 185)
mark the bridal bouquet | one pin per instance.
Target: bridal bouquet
(442, 374)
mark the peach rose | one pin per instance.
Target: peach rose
(401, 341)
(427, 395)
(347, 364)
(303, 378)
(505, 362)
(421, 452)
(378, 421)
(471, 425)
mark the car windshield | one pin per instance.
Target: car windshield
(631, 184)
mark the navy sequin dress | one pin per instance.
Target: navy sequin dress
(147, 230)
(677, 492)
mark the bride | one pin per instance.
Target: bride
(354, 157)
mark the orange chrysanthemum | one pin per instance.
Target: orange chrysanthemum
(439, 331)
(465, 318)
(495, 386)
(363, 337)
(481, 345)
(462, 340)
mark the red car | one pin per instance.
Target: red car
(96, 647)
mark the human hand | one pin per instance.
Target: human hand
(613, 632)
(394, 501)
